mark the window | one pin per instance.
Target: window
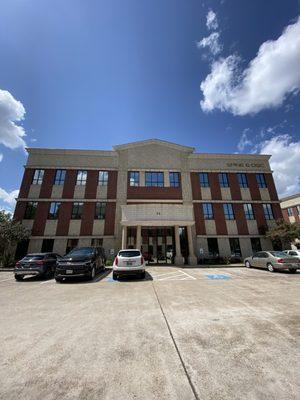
(223, 180)
(235, 247)
(81, 178)
(290, 212)
(213, 248)
(47, 245)
(208, 211)
(53, 210)
(134, 178)
(228, 211)
(38, 177)
(255, 244)
(174, 179)
(268, 211)
(242, 178)
(260, 179)
(100, 210)
(203, 178)
(248, 210)
(103, 178)
(154, 179)
(60, 176)
(71, 244)
(30, 210)
(77, 210)
(97, 242)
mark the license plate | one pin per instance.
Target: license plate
(129, 263)
(69, 271)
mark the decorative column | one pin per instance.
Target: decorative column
(179, 260)
(138, 237)
(124, 237)
(192, 258)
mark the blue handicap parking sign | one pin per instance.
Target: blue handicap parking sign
(218, 276)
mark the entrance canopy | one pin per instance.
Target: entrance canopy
(157, 215)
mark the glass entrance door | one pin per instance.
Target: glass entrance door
(158, 245)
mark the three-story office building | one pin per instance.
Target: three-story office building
(173, 203)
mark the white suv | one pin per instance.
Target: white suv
(129, 262)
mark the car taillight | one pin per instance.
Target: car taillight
(281, 260)
(39, 262)
(18, 264)
(116, 261)
(142, 260)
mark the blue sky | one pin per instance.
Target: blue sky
(94, 73)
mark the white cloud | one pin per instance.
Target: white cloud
(244, 141)
(212, 42)
(211, 20)
(1, 157)
(272, 75)
(11, 111)
(9, 197)
(285, 162)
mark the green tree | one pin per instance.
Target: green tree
(11, 233)
(284, 233)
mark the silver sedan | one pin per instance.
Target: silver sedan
(273, 260)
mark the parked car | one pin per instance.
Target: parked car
(292, 253)
(273, 260)
(82, 262)
(129, 262)
(36, 264)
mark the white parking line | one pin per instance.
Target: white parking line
(9, 279)
(170, 278)
(48, 281)
(167, 273)
(192, 277)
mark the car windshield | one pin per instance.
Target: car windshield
(84, 251)
(278, 254)
(130, 253)
(33, 257)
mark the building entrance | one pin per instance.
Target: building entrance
(158, 245)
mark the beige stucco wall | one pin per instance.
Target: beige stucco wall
(74, 227)
(57, 191)
(210, 227)
(252, 227)
(50, 227)
(28, 223)
(226, 194)
(101, 192)
(79, 192)
(224, 247)
(246, 247)
(98, 227)
(206, 193)
(264, 193)
(245, 192)
(34, 191)
(60, 246)
(35, 245)
(231, 227)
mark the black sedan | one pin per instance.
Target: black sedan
(82, 262)
(36, 264)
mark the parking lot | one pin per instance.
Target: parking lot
(182, 333)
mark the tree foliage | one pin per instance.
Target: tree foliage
(11, 232)
(284, 232)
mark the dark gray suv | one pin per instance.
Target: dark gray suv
(83, 262)
(36, 264)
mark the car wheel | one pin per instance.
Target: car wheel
(115, 276)
(247, 264)
(270, 267)
(58, 280)
(142, 275)
(19, 277)
(292, 270)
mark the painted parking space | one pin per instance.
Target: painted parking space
(175, 275)
(218, 277)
